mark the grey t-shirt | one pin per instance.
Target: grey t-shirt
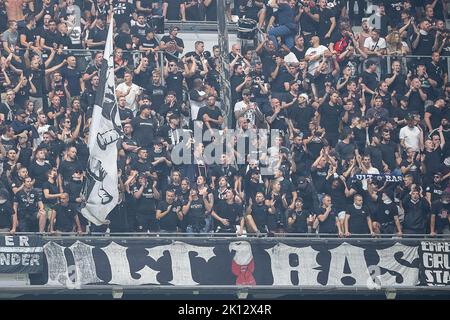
(10, 37)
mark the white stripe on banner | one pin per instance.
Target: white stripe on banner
(21, 249)
(100, 191)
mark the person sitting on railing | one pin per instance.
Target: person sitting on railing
(285, 24)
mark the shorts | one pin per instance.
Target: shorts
(48, 210)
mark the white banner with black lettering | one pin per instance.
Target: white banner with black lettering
(100, 191)
(362, 263)
(21, 254)
(435, 264)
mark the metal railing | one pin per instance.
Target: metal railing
(228, 236)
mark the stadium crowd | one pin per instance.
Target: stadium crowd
(351, 93)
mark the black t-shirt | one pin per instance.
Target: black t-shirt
(425, 46)
(329, 225)
(142, 167)
(196, 214)
(436, 116)
(122, 39)
(211, 11)
(122, 12)
(52, 189)
(144, 130)
(65, 218)
(301, 224)
(67, 168)
(27, 201)
(174, 82)
(301, 116)
(6, 213)
(385, 213)
(73, 77)
(39, 173)
(146, 204)
(73, 188)
(170, 46)
(173, 9)
(388, 151)
(260, 214)
(324, 21)
(398, 85)
(441, 211)
(329, 118)
(415, 214)
(30, 36)
(214, 113)
(370, 80)
(232, 212)
(170, 221)
(98, 35)
(435, 190)
(125, 114)
(357, 222)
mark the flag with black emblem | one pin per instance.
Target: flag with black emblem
(100, 192)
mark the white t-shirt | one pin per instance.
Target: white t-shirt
(195, 105)
(131, 97)
(249, 114)
(374, 45)
(411, 137)
(313, 65)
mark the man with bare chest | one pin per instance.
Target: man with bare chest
(14, 11)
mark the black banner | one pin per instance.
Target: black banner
(270, 262)
(435, 263)
(21, 254)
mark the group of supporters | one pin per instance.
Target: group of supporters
(361, 118)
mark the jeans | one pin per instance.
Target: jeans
(282, 31)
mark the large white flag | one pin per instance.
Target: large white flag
(100, 190)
